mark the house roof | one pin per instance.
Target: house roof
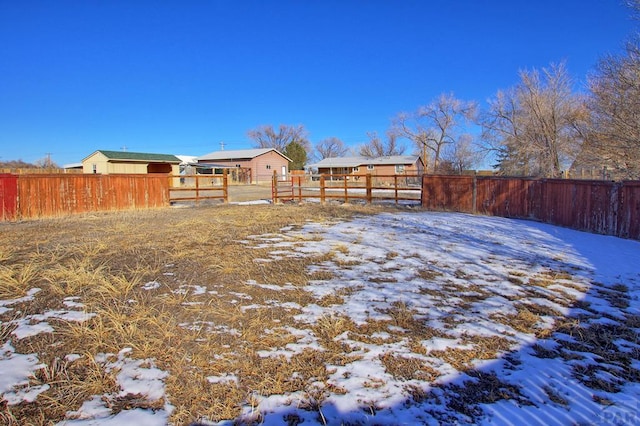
(72, 166)
(365, 161)
(138, 156)
(187, 159)
(238, 154)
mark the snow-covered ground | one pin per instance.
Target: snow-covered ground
(514, 324)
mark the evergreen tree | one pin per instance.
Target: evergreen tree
(297, 154)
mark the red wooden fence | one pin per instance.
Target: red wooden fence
(604, 207)
(8, 196)
(41, 195)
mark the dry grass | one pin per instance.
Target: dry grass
(483, 348)
(408, 368)
(103, 261)
(524, 320)
(192, 324)
(17, 279)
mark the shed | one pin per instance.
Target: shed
(262, 162)
(110, 162)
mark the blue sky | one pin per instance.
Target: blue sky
(181, 77)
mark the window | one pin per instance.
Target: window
(268, 166)
(356, 169)
(94, 167)
(399, 168)
(370, 167)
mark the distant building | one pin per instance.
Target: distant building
(111, 162)
(261, 162)
(72, 168)
(361, 166)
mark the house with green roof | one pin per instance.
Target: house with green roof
(111, 162)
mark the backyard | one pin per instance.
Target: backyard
(312, 314)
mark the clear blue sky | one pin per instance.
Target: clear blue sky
(181, 76)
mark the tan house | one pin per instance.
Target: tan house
(111, 162)
(261, 162)
(411, 165)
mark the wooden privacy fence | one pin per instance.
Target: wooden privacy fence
(346, 187)
(41, 195)
(604, 207)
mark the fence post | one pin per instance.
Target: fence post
(274, 187)
(299, 187)
(369, 189)
(474, 195)
(616, 201)
(423, 192)
(322, 193)
(395, 187)
(346, 190)
(197, 190)
(225, 186)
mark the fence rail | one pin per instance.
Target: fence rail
(38, 170)
(604, 207)
(346, 187)
(199, 187)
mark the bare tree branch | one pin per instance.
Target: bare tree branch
(376, 147)
(533, 126)
(435, 125)
(614, 104)
(330, 148)
(267, 137)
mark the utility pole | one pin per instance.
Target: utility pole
(221, 145)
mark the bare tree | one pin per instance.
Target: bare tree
(435, 125)
(500, 130)
(534, 126)
(330, 148)
(614, 105)
(612, 139)
(46, 163)
(462, 155)
(268, 137)
(377, 147)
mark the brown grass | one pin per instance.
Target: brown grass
(408, 368)
(483, 348)
(198, 323)
(104, 259)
